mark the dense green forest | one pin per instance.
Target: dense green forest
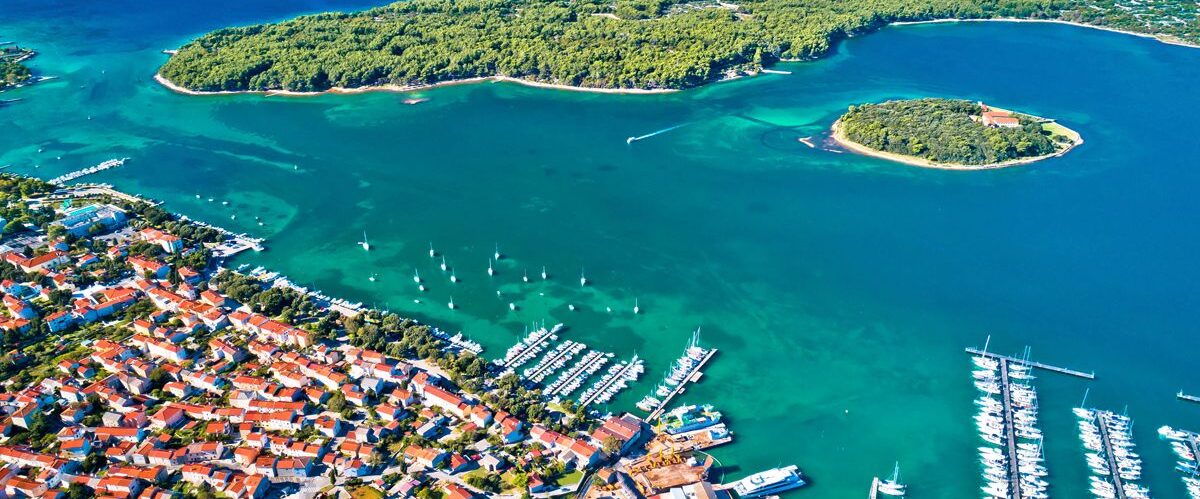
(592, 43)
(943, 131)
(12, 72)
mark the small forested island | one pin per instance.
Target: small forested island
(632, 45)
(12, 72)
(951, 134)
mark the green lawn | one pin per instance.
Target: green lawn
(366, 492)
(571, 478)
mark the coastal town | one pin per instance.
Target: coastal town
(136, 365)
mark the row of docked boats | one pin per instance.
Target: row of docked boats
(577, 374)
(62, 179)
(1108, 438)
(1008, 417)
(553, 361)
(1185, 445)
(682, 370)
(528, 348)
(618, 378)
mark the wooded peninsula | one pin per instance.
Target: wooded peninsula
(12, 72)
(621, 44)
(951, 134)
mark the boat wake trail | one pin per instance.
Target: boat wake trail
(631, 140)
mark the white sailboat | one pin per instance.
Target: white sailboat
(421, 288)
(453, 278)
(582, 279)
(526, 276)
(892, 486)
(443, 264)
(432, 253)
(497, 254)
(366, 245)
(512, 306)
(544, 274)
(372, 278)
(416, 276)
(636, 309)
(571, 307)
(451, 304)
(491, 270)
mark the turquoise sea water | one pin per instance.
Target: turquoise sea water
(840, 289)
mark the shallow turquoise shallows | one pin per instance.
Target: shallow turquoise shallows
(840, 289)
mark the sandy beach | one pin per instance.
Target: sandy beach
(411, 88)
(841, 139)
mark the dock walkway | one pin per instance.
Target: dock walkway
(1189, 398)
(1039, 365)
(1108, 454)
(692, 377)
(874, 488)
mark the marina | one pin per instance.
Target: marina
(112, 163)
(1012, 465)
(1186, 446)
(685, 370)
(1114, 465)
(553, 361)
(529, 347)
(617, 379)
(574, 377)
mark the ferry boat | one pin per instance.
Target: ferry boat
(772, 481)
(689, 418)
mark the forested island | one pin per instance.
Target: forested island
(621, 44)
(953, 134)
(12, 72)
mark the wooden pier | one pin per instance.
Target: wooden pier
(874, 488)
(1039, 365)
(692, 378)
(1189, 398)
(1108, 454)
